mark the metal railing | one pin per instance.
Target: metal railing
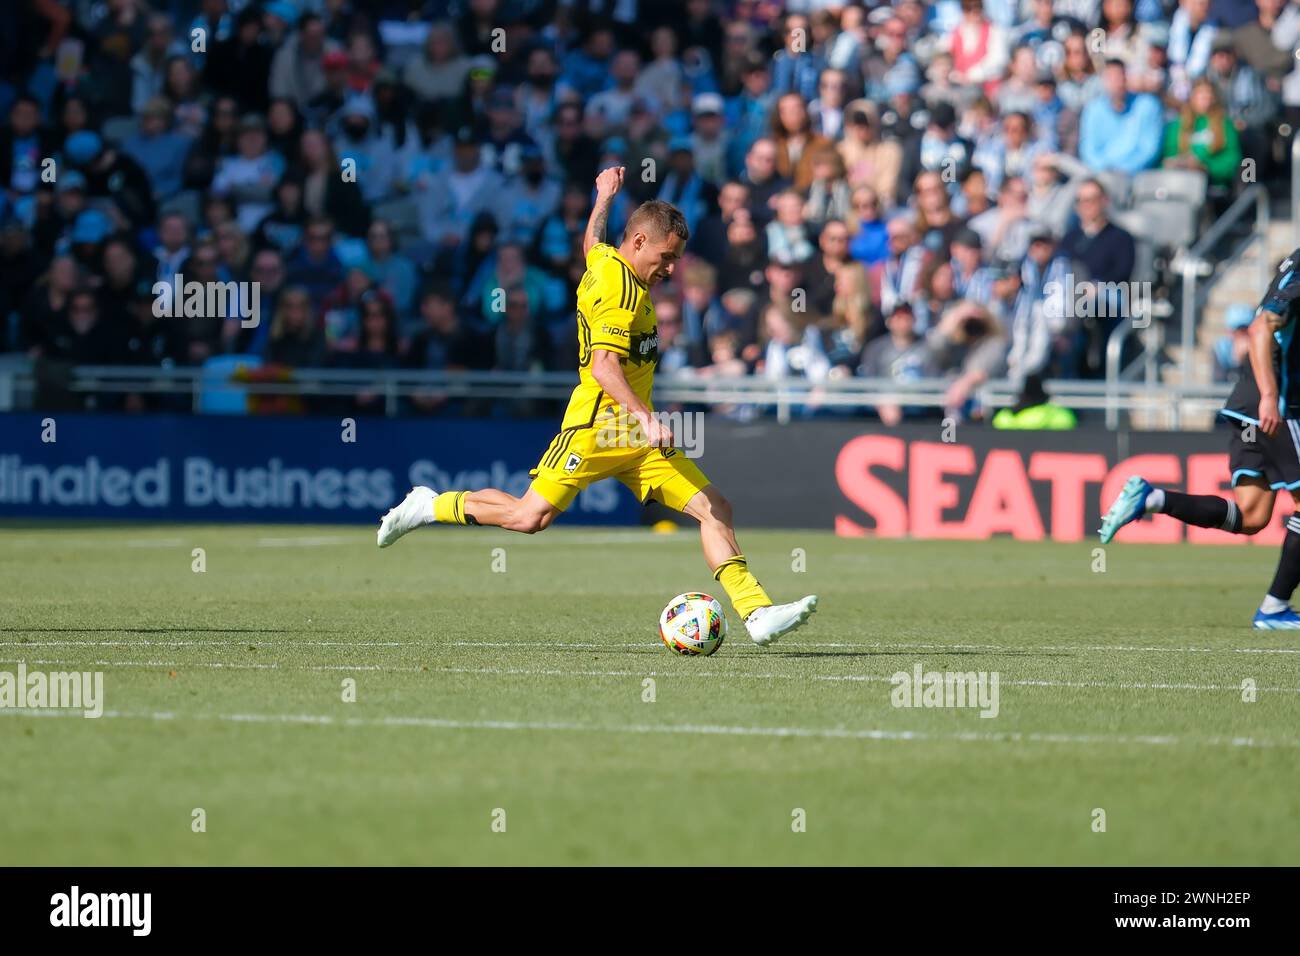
(1200, 275)
(782, 397)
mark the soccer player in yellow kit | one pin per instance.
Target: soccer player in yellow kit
(609, 428)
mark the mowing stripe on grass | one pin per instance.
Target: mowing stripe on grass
(828, 733)
(648, 643)
(542, 672)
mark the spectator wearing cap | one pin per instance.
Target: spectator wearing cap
(1115, 129)
(1232, 351)
(899, 356)
(869, 237)
(438, 73)
(504, 139)
(297, 69)
(796, 143)
(1203, 138)
(241, 65)
(1151, 74)
(250, 176)
(1039, 322)
(709, 140)
(939, 149)
(795, 67)
(978, 48)
(160, 152)
(529, 197)
(468, 188)
(683, 186)
(869, 160)
(110, 174)
(376, 158)
(1191, 38)
(1244, 93)
(323, 109)
(971, 279)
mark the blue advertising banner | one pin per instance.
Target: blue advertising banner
(220, 468)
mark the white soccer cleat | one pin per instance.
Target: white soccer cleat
(415, 509)
(768, 623)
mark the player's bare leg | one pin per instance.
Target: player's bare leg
(765, 621)
(527, 515)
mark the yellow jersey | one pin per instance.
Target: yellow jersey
(614, 313)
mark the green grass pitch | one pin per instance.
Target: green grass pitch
(508, 687)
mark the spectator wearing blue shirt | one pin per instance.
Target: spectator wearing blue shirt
(159, 151)
(1116, 131)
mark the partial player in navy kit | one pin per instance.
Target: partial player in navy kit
(1264, 450)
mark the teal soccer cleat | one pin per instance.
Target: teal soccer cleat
(1129, 506)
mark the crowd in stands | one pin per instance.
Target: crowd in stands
(892, 191)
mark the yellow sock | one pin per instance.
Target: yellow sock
(449, 508)
(746, 594)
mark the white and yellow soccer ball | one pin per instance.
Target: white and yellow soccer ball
(693, 624)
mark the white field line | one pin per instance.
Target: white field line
(650, 643)
(725, 730)
(638, 674)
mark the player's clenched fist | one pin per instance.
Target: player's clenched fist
(609, 181)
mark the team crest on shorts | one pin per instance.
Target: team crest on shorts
(571, 463)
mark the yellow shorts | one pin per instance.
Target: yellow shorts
(576, 458)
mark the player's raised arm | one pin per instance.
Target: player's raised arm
(1262, 344)
(608, 183)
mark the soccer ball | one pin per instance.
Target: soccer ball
(693, 624)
